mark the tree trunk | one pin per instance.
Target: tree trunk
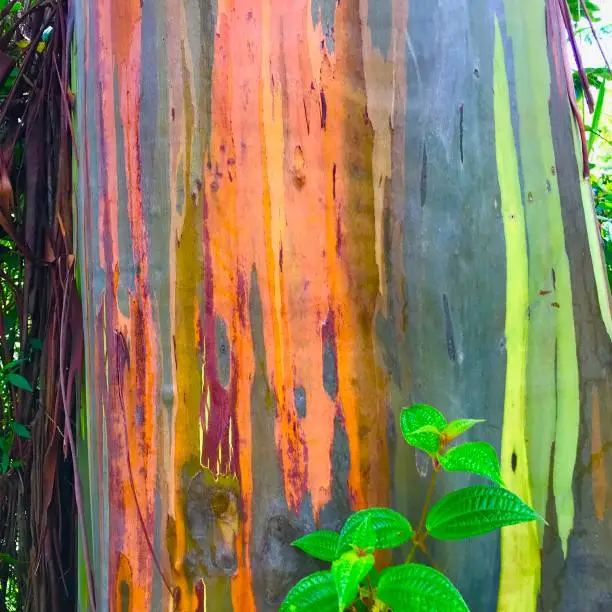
(296, 217)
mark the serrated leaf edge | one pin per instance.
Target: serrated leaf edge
(481, 488)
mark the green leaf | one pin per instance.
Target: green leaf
(315, 593)
(21, 430)
(477, 510)
(320, 544)
(374, 577)
(456, 428)
(419, 588)
(473, 457)
(577, 12)
(9, 559)
(13, 364)
(17, 380)
(16, 464)
(36, 343)
(422, 427)
(4, 464)
(349, 570)
(364, 537)
(391, 528)
(597, 115)
(427, 429)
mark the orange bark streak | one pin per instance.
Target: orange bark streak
(274, 198)
(600, 486)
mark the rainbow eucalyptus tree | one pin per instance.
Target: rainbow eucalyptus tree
(296, 217)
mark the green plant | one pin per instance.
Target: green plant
(354, 582)
(576, 8)
(6, 446)
(38, 300)
(8, 376)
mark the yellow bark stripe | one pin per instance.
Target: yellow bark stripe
(520, 551)
(552, 398)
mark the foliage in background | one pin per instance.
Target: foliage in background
(354, 583)
(591, 32)
(40, 340)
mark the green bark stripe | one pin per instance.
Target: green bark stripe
(520, 551)
(552, 406)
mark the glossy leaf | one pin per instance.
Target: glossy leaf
(422, 426)
(473, 457)
(349, 570)
(315, 593)
(320, 544)
(427, 429)
(21, 430)
(419, 588)
(391, 528)
(364, 537)
(459, 426)
(17, 380)
(476, 510)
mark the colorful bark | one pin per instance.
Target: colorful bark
(294, 218)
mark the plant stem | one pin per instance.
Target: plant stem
(594, 32)
(371, 588)
(417, 535)
(597, 114)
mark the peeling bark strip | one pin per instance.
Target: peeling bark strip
(282, 289)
